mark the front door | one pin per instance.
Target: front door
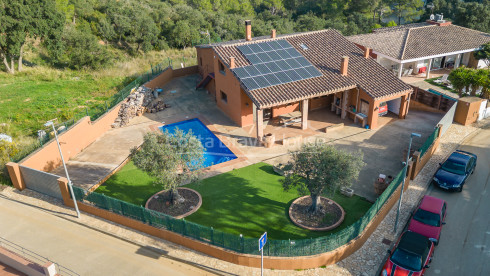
(267, 114)
(364, 107)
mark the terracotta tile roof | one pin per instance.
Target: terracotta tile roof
(326, 49)
(421, 41)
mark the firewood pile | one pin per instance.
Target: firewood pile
(137, 103)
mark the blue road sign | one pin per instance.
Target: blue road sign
(262, 240)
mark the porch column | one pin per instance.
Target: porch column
(457, 62)
(373, 115)
(345, 97)
(260, 124)
(304, 114)
(402, 113)
(400, 71)
(427, 75)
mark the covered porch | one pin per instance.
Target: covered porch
(323, 114)
(427, 67)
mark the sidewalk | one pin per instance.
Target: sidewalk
(364, 262)
(83, 250)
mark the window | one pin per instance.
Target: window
(221, 67)
(224, 97)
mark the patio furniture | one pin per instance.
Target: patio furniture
(290, 118)
(410, 71)
(361, 117)
(443, 79)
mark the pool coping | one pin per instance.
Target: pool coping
(223, 138)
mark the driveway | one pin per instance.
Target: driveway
(465, 242)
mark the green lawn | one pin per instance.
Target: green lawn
(28, 99)
(245, 201)
(432, 81)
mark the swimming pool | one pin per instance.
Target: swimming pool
(216, 152)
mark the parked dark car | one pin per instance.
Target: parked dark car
(411, 256)
(455, 170)
(429, 217)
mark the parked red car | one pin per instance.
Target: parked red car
(429, 217)
(383, 109)
(411, 256)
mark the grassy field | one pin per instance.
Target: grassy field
(245, 201)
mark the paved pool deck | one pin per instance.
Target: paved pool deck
(382, 148)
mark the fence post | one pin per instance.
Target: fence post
(106, 107)
(86, 111)
(243, 243)
(416, 160)
(184, 231)
(212, 235)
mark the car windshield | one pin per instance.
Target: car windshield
(454, 167)
(407, 259)
(427, 217)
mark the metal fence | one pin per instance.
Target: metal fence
(429, 142)
(42, 182)
(276, 248)
(96, 111)
(34, 257)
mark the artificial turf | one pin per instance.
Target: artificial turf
(246, 201)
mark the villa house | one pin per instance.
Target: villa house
(257, 79)
(420, 48)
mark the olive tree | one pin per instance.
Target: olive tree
(484, 54)
(172, 159)
(318, 168)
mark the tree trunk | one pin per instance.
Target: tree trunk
(12, 68)
(315, 203)
(7, 67)
(175, 198)
(21, 53)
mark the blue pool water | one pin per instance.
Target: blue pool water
(216, 152)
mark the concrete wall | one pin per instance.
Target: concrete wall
(168, 74)
(25, 266)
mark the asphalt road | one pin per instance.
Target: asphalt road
(81, 249)
(464, 248)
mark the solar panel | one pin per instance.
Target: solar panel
(272, 63)
(272, 79)
(263, 69)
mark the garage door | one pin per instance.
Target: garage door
(394, 105)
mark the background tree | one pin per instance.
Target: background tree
(409, 10)
(317, 168)
(460, 79)
(82, 50)
(23, 19)
(172, 159)
(484, 54)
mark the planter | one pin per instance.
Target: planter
(269, 140)
(347, 192)
(328, 201)
(167, 204)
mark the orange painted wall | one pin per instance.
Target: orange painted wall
(84, 132)
(73, 141)
(317, 103)
(236, 106)
(205, 59)
(284, 109)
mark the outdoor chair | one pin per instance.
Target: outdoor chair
(443, 79)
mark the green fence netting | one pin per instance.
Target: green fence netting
(277, 248)
(429, 142)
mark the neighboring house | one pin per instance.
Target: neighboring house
(423, 47)
(256, 79)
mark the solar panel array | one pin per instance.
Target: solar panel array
(274, 62)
